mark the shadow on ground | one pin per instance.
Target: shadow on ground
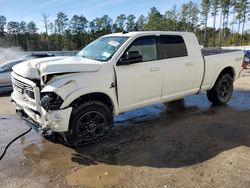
(181, 134)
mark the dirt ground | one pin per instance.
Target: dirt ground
(184, 144)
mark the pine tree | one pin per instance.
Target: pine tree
(205, 7)
(120, 23)
(154, 20)
(215, 9)
(140, 23)
(130, 24)
(245, 11)
(2, 24)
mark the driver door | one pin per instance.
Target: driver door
(140, 83)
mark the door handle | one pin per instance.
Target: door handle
(189, 64)
(155, 69)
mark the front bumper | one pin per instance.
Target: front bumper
(36, 116)
(55, 121)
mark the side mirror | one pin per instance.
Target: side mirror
(130, 57)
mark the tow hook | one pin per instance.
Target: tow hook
(45, 131)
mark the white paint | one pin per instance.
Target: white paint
(138, 84)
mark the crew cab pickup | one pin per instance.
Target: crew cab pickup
(77, 97)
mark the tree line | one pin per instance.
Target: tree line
(74, 33)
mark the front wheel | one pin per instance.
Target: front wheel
(222, 90)
(89, 122)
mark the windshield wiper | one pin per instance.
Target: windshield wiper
(93, 58)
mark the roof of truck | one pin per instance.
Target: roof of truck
(135, 33)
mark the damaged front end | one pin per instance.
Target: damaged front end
(41, 110)
(41, 86)
(51, 101)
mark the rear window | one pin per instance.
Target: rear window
(171, 46)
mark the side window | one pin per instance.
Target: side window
(171, 46)
(146, 46)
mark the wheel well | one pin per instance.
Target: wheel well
(94, 96)
(228, 70)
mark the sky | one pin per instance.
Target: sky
(32, 10)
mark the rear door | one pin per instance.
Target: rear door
(178, 68)
(140, 84)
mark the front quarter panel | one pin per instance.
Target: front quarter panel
(75, 86)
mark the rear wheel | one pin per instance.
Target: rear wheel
(222, 90)
(89, 122)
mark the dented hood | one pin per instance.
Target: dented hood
(36, 68)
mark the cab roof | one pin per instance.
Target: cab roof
(137, 33)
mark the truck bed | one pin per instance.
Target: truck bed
(216, 60)
(215, 51)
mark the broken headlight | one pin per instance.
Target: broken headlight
(51, 101)
(30, 94)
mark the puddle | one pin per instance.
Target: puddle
(240, 101)
(97, 176)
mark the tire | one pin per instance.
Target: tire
(89, 123)
(222, 90)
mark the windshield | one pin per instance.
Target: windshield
(103, 48)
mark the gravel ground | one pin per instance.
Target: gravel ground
(188, 143)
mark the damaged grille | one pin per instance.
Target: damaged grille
(24, 91)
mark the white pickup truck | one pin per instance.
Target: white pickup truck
(77, 97)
